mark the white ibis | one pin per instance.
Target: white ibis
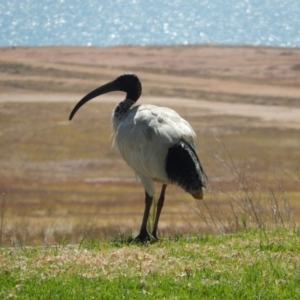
(155, 142)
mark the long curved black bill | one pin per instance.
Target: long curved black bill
(109, 87)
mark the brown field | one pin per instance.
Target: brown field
(62, 180)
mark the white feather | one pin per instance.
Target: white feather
(143, 137)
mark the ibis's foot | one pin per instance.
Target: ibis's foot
(154, 236)
(143, 237)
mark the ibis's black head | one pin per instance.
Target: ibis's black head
(128, 83)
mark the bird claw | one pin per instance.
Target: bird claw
(144, 236)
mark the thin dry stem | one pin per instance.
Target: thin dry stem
(250, 203)
(2, 214)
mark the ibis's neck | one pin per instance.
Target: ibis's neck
(122, 108)
(121, 111)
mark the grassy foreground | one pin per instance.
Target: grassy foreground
(254, 264)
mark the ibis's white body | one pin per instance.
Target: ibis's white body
(155, 142)
(144, 135)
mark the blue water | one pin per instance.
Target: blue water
(149, 22)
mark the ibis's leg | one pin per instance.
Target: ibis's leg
(144, 235)
(160, 204)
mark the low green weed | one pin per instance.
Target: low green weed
(244, 265)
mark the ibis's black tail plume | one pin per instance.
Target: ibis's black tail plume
(183, 168)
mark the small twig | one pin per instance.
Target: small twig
(2, 219)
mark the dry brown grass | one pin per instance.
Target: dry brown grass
(61, 179)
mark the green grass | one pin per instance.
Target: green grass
(246, 265)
